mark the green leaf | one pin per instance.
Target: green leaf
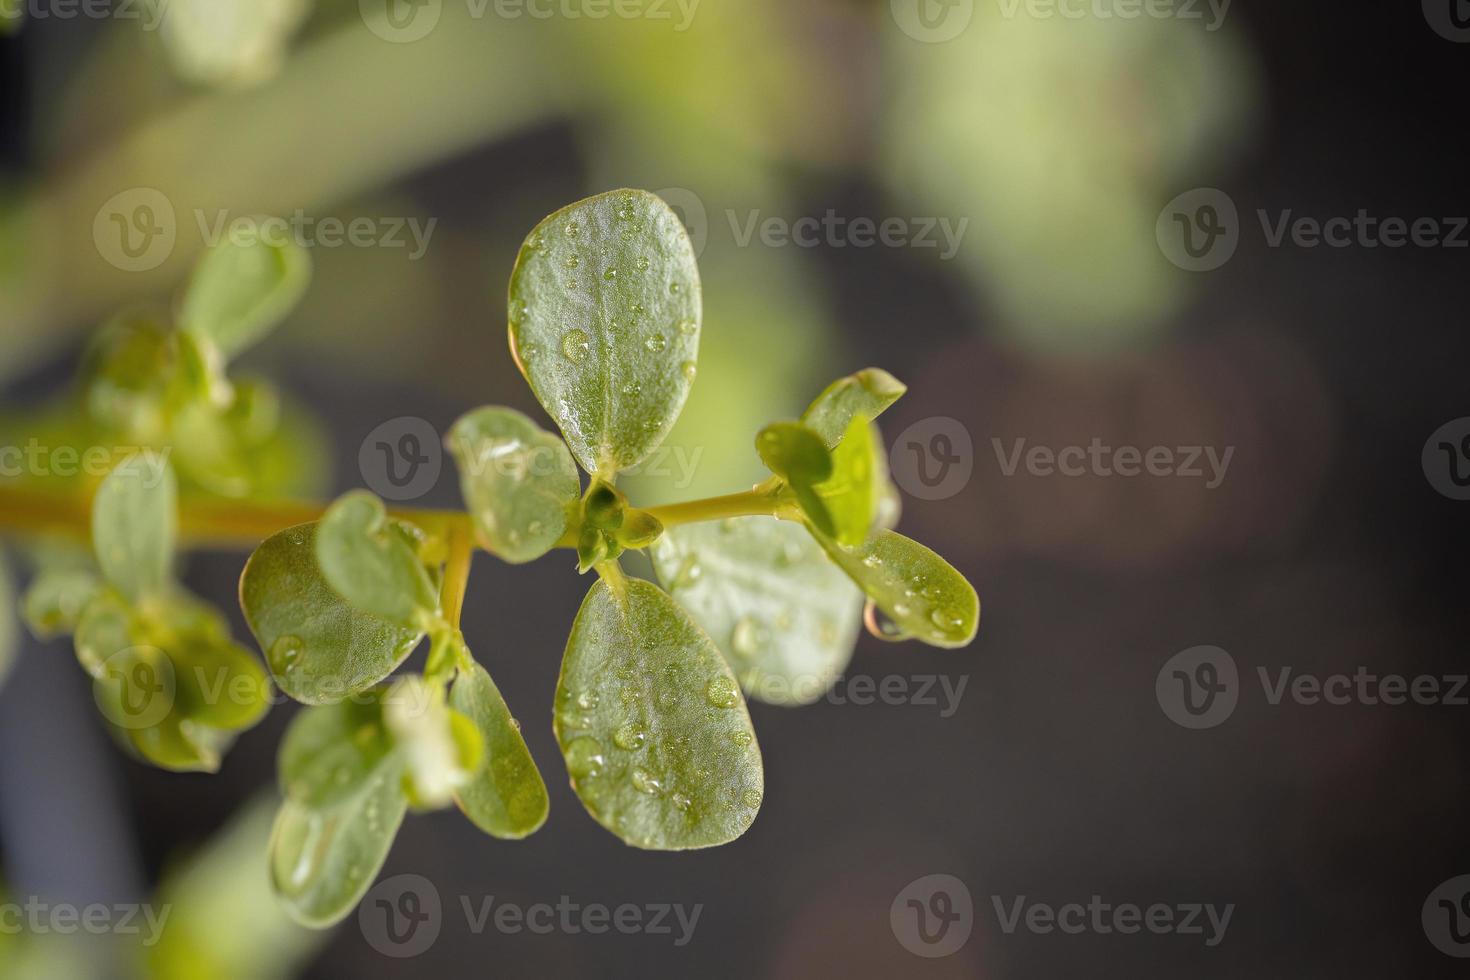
(54, 603)
(850, 495)
(507, 797)
(104, 628)
(331, 752)
(604, 323)
(323, 861)
(135, 525)
(865, 394)
(243, 287)
(441, 748)
(655, 733)
(797, 454)
(369, 561)
(320, 648)
(518, 480)
(921, 593)
(784, 616)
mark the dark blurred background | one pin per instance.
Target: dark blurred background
(1062, 317)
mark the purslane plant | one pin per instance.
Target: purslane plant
(761, 591)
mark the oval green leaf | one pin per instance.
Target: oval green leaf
(850, 495)
(135, 524)
(369, 561)
(656, 735)
(784, 616)
(244, 286)
(507, 798)
(604, 323)
(54, 602)
(332, 752)
(865, 394)
(323, 861)
(319, 647)
(518, 480)
(919, 591)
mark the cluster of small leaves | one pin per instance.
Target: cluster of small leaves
(159, 382)
(650, 708)
(173, 686)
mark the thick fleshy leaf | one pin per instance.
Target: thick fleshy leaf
(865, 394)
(656, 735)
(135, 525)
(921, 593)
(507, 797)
(368, 560)
(323, 861)
(850, 495)
(441, 748)
(785, 617)
(604, 323)
(332, 752)
(104, 628)
(320, 648)
(797, 454)
(54, 602)
(243, 287)
(518, 480)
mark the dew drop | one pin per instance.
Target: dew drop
(689, 369)
(632, 388)
(721, 693)
(574, 345)
(610, 274)
(872, 561)
(751, 798)
(944, 619)
(285, 653)
(741, 737)
(646, 782)
(749, 637)
(630, 737)
(681, 802)
(573, 229)
(587, 700)
(674, 287)
(585, 758)
(573, 261)
(643, 264)
(686, 327)
(880, 626)
(656, 343)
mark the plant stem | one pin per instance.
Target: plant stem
(457, 572)
(759, 501)
(202, 523)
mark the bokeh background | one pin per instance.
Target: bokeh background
(1057, 143)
